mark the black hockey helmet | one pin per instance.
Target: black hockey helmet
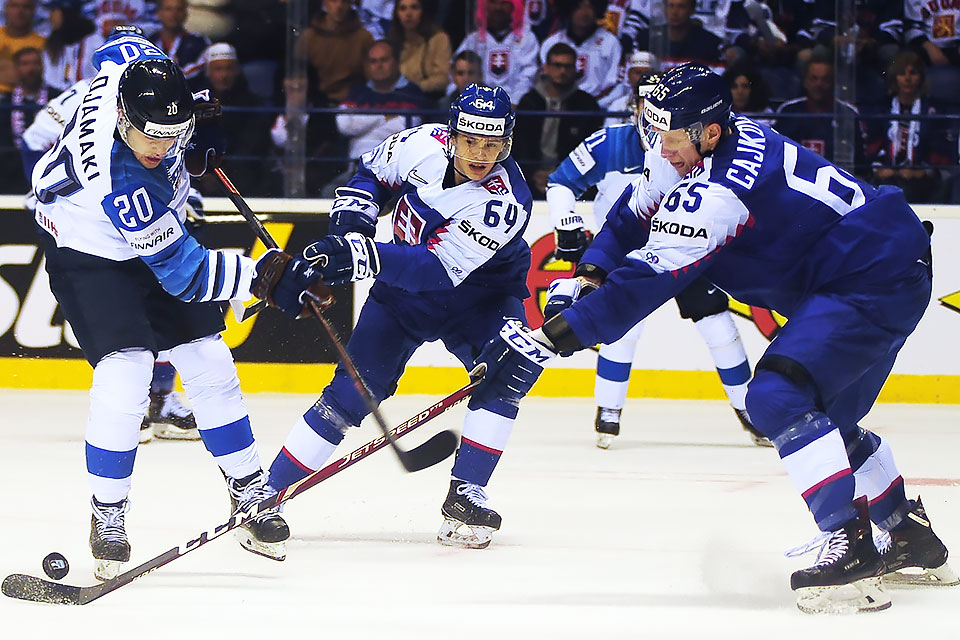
(155, 100)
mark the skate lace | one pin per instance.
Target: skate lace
(474, 493)
(109, 520)
(830, 547)
(173, 406)
(253, 493)
(883, 542)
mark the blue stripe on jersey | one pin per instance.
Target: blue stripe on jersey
(613, 371)
(735, 375)
(110, 464)
(229, 438)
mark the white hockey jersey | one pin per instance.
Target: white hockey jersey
(49, 123)
(598, 60)
(937, 20)
(510, 63)
(95, 197)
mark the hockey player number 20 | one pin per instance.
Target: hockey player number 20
(831, 187)
(141, 203)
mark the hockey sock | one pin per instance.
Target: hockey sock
(210, 381)
(809, 444)
(118, 402)
(485, 434)
(726, 348)
(613, 369)
(311, 441)
(163, 376)
(878, 479)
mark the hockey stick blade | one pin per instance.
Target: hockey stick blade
(437, 449)
(24, 587)
(242, 312)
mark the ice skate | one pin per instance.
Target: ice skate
(758, 438)
(846, 575)
(607, 426)
(171, 420)
(467, 522)
(146, 431)
(266, 534)
(108, 538)
(914, 555)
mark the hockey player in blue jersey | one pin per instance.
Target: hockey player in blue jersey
(455, 269)
(611, 158)
(131, 281)
(779, 227)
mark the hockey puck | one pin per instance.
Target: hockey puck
(56, 566)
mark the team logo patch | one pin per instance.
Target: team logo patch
(944, 26)
(442, 134)
(496, 185)
(407, 223)
(500, 62)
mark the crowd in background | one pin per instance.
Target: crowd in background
(409, 58)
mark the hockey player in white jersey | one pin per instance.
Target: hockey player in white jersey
(456, 267)
(613, 158)
(167, 418)
(131, 281)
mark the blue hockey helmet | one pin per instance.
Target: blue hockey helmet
(481, 112)
(688, 97)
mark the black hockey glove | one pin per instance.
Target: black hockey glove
(208, 144)
(514, 359)
(571, 243)
(353, 210)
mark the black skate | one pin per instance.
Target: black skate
(913, 554)
(170, 419)
(266, 534)
(108, 538)
(846, 576)
(607, 426)
(758, 438)
(467, 522)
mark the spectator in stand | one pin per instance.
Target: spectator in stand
(15, 35)
(385, 88)
(464, 70)
(248, 133)
(933, 28)
(335, 44)
(541, 17)
(639, 64)
(750, 95)
(505, 44)
(17, 111)
(816, 133)
(320, 131)
(597, 50)
(183, 47)
(64, 48)
(687, 40)
(541, 142)
(424, 47)
(910, 149)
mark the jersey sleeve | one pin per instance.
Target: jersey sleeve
(185, 268)
(694, 221)
(622, 232)
(383, 169)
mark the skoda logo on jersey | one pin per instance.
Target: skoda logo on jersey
(656, 116)
(469, 123)
(486, 105)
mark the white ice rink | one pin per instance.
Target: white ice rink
(675, 532)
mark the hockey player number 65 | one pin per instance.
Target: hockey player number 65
(831, 187)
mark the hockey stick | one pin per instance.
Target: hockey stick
(35, 589)
(434, 450)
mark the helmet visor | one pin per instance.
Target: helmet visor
(180, 132)
(654, 122)
(479, 149)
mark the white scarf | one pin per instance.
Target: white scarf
(897, 136)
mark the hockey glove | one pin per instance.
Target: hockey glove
(571, 243)
(208, 144)
(514, 360)
(353, 210)
(287, 283)
(343, 259)
(564, 292)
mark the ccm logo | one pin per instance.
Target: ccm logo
(471, 232)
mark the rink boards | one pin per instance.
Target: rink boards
(274, 354)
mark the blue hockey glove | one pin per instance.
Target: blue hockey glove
(343, 259)
(564, 292)
(353, 210)
(571, 243)
(514, 360)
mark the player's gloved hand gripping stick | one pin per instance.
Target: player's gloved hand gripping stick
(317, 298)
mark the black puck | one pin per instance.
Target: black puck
(56, 566)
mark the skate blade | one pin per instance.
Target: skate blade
(760, 441)
(146, 435)
(917, 577)
(172, 432)
(273, 550)
(604, 440)
(454, 533)
(106, 569)
(862, 596)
